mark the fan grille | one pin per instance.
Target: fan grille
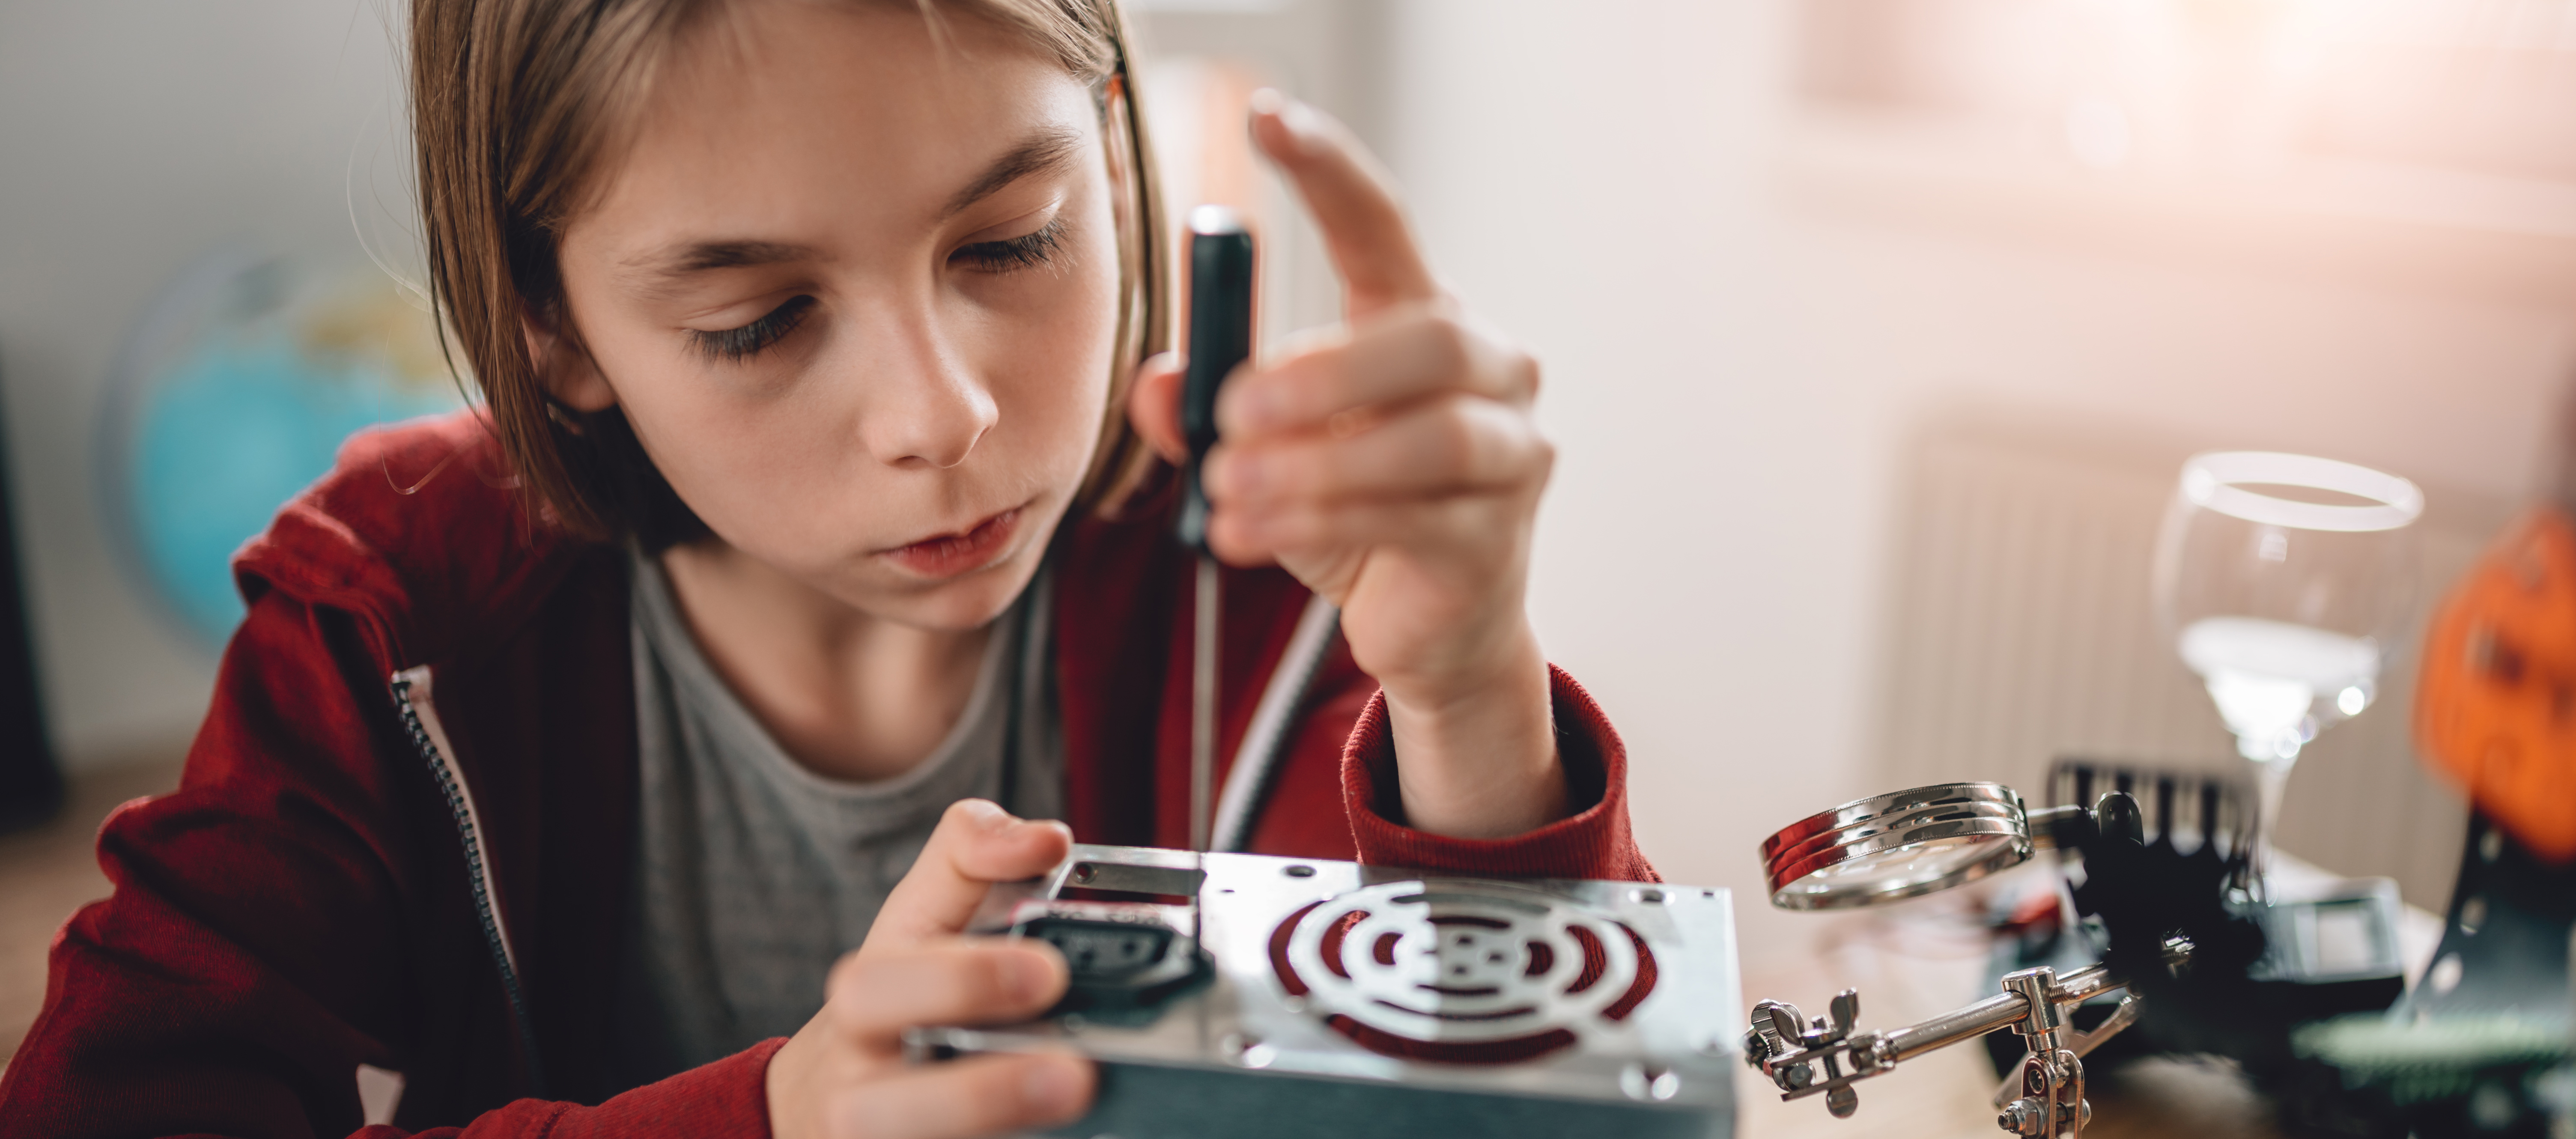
(1453, 973)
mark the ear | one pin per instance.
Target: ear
(564, 367)
(1154, 406)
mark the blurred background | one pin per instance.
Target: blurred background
(1874, 334)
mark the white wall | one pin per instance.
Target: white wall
(136, 136)
(1735, 366)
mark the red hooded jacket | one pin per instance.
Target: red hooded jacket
(405, 833)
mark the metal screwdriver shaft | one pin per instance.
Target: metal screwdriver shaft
(1220, 339)
(1203, 651)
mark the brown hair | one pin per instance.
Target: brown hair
(514, 105)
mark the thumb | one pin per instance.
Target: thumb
(1154, 406)
(976, 844)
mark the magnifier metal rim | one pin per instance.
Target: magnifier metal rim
(2010, 850)
(1920, 816)
(1894, 802)
(1867, 827)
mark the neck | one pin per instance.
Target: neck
(848, 695)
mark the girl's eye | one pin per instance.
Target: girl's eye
(1027, 251)
(739, 344)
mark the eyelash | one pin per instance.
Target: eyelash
(1027, 251)
(735, 345)
(739, 344)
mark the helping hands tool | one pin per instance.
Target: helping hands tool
(1890, 847)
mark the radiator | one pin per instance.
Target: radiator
(2021, 629)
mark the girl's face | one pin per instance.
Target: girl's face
(857, 292)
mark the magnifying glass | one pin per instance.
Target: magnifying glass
(1905, 844)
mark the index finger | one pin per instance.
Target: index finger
(1401, 357)
(976, 844)
(1354, 204)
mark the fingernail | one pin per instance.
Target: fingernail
(1302, 122)
(1055, 1085)
(1267, 101)
(1020, 829)
(1296, 117)
(1032, 978)
(988, 815)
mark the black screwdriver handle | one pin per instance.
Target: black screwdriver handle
(1220, 339)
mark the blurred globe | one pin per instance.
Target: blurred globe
(233, 394)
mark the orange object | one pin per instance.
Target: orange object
(2496, 704)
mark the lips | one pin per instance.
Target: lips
(949, 555)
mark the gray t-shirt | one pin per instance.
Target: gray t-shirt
(753, 874)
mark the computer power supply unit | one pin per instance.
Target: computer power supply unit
(1251, 996)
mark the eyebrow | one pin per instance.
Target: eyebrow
(658, 274)
(1050, 149)
(701, 256)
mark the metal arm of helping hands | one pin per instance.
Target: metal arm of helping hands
(1825, 1056)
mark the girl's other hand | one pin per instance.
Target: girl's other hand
(1393, 465)
(844, 1075)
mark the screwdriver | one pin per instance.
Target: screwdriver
(1220, 338)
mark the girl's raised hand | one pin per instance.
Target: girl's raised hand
(1392, 464)
(843, 1075)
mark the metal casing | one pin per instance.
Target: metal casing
(1362, 1001)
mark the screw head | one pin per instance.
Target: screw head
(1649, 1082)
(2023, 1117)
(1842, 1102)
(1798, 1076)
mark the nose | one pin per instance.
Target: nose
(923, 407)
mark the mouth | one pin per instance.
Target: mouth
(958, 552)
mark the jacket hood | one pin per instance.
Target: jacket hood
(422, 533)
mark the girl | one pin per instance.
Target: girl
(819, 502)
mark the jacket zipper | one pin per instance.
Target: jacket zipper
(1243, 795)
(412, 696)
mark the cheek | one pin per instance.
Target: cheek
(713, 432)
(1053, 358)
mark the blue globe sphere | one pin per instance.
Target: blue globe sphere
(241, 385)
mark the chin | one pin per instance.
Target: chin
(969, 601)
